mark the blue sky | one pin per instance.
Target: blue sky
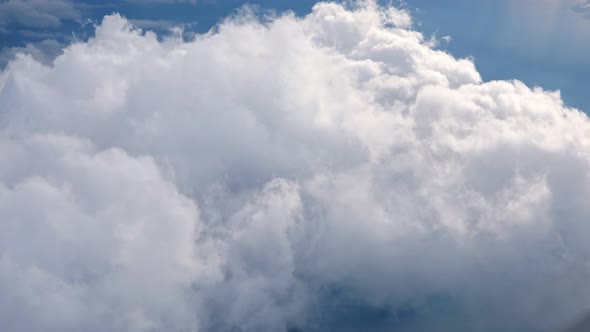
(542, 42)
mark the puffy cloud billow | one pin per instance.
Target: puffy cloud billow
(333, 172)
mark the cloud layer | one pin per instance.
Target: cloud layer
(37, 13)
(583, 7)
(331, 172)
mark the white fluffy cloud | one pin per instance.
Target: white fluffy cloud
(331, 172)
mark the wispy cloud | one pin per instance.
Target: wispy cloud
(583, 7)
(155, 24)
(37, 13)
(173, 1)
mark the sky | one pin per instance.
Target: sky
(361, 166)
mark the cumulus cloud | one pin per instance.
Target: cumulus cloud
(44, 51)
(330, 172)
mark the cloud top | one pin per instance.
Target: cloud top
(330, 172)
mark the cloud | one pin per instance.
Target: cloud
(154, 24)
(37, 13)
(330, 172)
(194, 2)
(44, 51)
(583, 7)
(581, 325)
